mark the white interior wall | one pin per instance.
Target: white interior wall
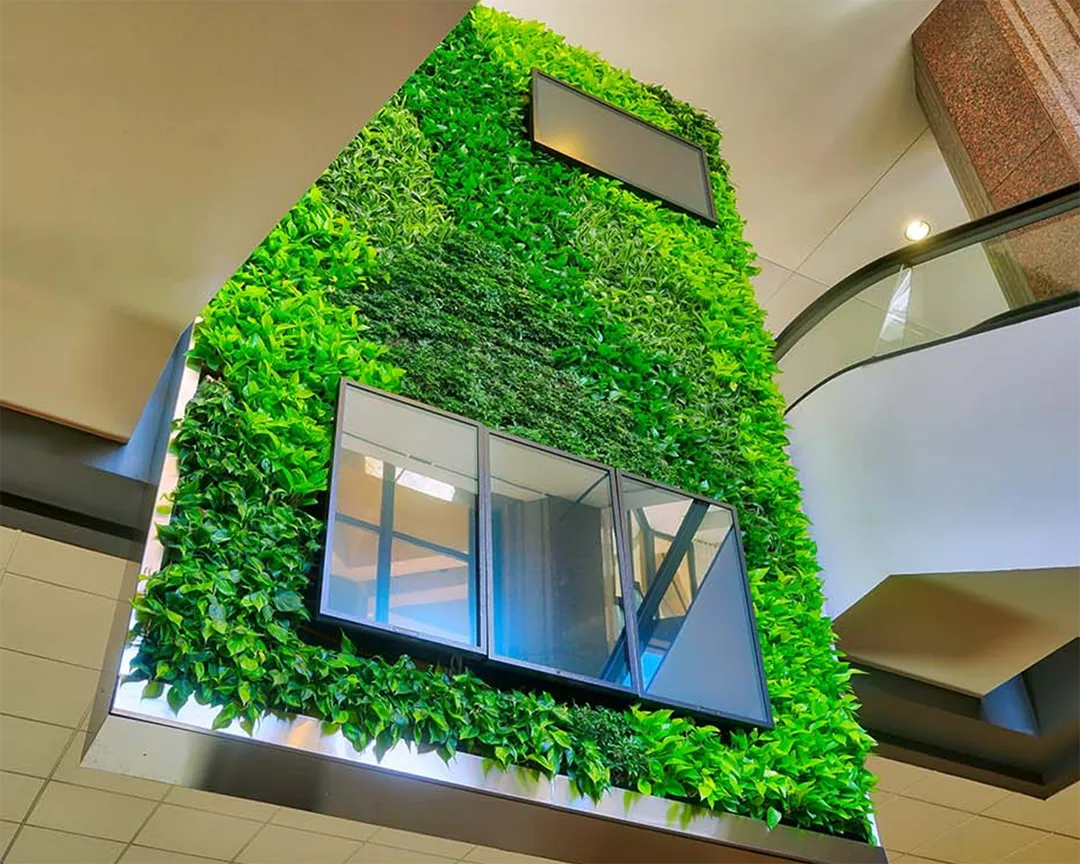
(961, 457)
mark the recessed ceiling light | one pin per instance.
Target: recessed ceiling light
(916, 229)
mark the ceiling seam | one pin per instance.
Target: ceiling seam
(855, 206)
(45, 785)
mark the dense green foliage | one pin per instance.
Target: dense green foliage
(442, 256)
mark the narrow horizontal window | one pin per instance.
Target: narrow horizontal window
(573, 124)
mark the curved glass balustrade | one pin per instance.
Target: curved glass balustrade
(1024, 258)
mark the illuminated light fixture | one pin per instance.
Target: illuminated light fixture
(917, 229)
(411, 480)
(427, 485)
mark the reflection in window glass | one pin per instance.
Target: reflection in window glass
(696, 638)
(557, 598)
(404, 540)
(674, 540)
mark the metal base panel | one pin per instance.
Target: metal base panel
(292, 762)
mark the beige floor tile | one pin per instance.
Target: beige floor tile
(275, 844)
(44, 846)
(146, 855)
(7, 832)
(487, 855)
(44, 690)
(54, 622)
(196, 832)
(320, 824)
(17, 793)
(894, 776)
(905, 824)
(911, 859)
(29, 747)
(1066, 805)
(421, 843)
(226, 805)
(1052, 849)
(979, 840)
(956, 792)
(1059, 813)
(879, 798)
(70, 771)
(8, 538)
(63, 564)
(373, 853)
(92, 812)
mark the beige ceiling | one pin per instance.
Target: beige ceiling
(56, 607)
(146, 149)
(967, 631)
(828, 148)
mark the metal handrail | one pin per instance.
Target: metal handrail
(1025, 213)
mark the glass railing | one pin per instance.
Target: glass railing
(1019, 261)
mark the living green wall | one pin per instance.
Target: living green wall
(441, 256)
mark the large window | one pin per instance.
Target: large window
(402, 550)
(556, 584)
(537, 561)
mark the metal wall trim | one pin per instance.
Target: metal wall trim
(295, 762)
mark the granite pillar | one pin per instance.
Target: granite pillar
(999, 81)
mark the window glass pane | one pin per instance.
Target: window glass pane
(429, 591)
(696, 638)
(555, 573)
(352, 570)
(564, 119)
(404, 550)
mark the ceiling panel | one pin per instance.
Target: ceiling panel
(147, 149)
(769, 280)
(918, 186)
(816, 100)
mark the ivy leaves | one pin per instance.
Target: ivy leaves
(288, 601)
(441, 256)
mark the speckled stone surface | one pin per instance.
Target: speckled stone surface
(995, 109)
(1045, 37)
(1048, 167)
(1000, 82)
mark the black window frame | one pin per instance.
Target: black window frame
(405, 635)
(482, 654)
(709, 216)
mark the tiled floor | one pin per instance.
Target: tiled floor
(926, 816)
(56, 605)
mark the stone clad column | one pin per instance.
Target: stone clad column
(999, 81)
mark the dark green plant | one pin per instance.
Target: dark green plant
(442, 256)
(621, 748)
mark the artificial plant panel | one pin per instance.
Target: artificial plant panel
(442, 256)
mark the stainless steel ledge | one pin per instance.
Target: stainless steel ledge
(292, 762)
